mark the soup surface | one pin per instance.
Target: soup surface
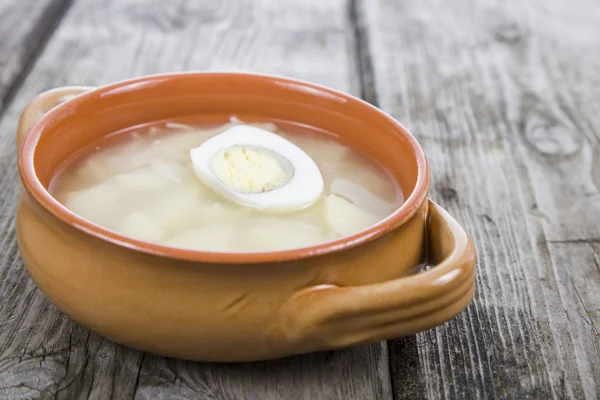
(140, 183)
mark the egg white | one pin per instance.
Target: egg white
(302, 190)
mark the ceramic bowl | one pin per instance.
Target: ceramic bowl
(237, 306)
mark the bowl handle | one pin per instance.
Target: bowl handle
(42, 103)
(328, 316)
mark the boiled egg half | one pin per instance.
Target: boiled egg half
(258, 169)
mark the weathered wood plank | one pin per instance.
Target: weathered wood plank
(504, 97)
(42, 353)
(24, 28)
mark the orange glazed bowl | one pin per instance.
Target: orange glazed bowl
(237, 306)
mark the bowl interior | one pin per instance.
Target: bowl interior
(72, 126)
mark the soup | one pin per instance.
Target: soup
(141, 183)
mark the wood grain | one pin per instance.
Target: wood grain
(43, 354)
(504, 97)
(25, 26)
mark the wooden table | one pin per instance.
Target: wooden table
(503, 96)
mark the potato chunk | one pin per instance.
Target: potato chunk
(214, 237)
(96, 204)
(276, 234)
(138, 225)
(344, 218)
(154, 177)
(172, 209)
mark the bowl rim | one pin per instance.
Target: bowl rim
(42, 196)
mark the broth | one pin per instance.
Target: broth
(140, 183)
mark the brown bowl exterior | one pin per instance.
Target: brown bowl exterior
(244, 307)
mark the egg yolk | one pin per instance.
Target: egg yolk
(251, 169)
